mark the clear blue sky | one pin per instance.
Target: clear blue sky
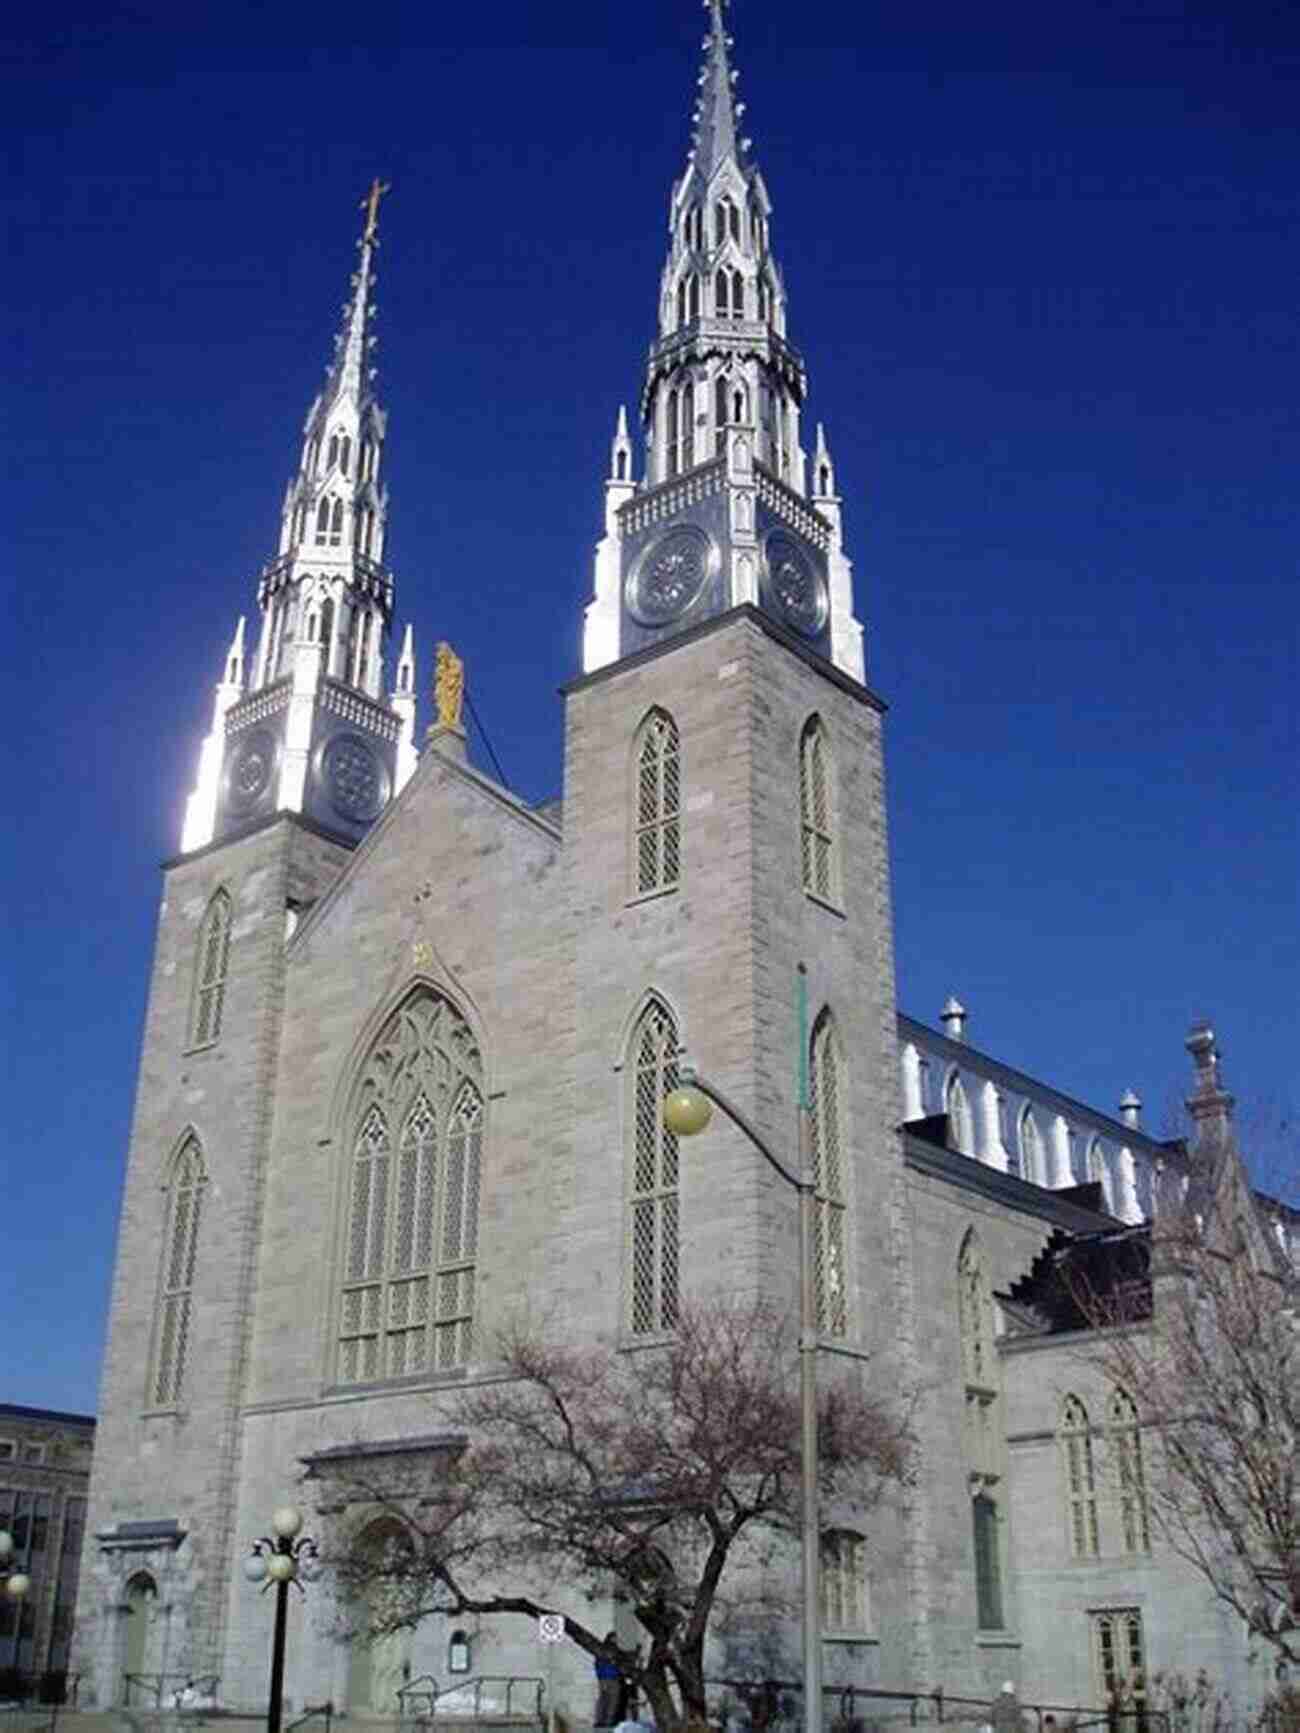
(1042, 263)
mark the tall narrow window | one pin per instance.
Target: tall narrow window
(988, 1563)
(180, 1243)
(345, 453)
(957, 1107)
(652, 1190)
(322, 523)
(737, 295)
(333, 456)
(658, 835)
(1120, 1664)
(721, 295)
(844, 1580)
(408, 1292)
(211, 958)
(1080, 1480)
(1031, 1148)
(327, 633)
(827, 1134)
(688, 422)
(336, 524)
(681, 303)
(1130, 1473)
(816, 817)
(1099, 1172)
(674, 434)
(695, 297)
(720, 413)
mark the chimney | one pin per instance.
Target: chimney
(1130, 1108)
(953, 1018)
(1209, 1104)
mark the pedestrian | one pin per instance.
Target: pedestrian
(611, 1691)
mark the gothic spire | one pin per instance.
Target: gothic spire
(350, 371)
(717, 111)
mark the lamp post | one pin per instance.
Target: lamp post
(282, 1560)
(686, 1111)
(16, 1582)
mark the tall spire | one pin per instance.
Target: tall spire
(316, 733)
(717, 111)
(722, 403)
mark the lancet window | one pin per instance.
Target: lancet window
(211, 960)
(657, 838)
(825, 1091)
(652, 1183)
(1130, 1473)
(322, 523)
(180, 1242)
(1080, 1480)
(816, 816)
(1031, 1148)
(411, 1241)
(957, 1107)
(722, 295)
(336, 524)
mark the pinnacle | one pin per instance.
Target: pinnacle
(716, 111)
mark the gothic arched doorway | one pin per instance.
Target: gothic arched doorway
(140, 1614)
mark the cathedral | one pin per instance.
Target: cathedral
(407, 1037)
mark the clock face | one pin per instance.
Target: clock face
(250, 769)
(797, 586)
(355, 780)
(670, 575)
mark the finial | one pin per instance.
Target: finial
(370, 205)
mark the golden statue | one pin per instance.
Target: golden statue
(449, 686)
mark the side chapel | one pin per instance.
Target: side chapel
(383, 1099)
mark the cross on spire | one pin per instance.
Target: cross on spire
(370, 205)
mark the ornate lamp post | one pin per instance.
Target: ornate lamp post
(281, 1561)
(686, 1111)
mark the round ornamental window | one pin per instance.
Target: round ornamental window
(670, 575)
(354, 778)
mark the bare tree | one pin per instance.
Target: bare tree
(1210, 1354)
(659, 1474)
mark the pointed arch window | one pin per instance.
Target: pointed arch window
(988, 1562)
(333, 456)
(1080, 1480)
(737, 295)
(336, 524)
(816, 815)
(211, 960)
(657, 840)
(825, 1090)
(974, 1313)
(674, 434)
(722, 295)
(681, 303)
(345, 453)
(688, 422)
(720, 412)
(1031, 1147)
(1099, 1172)
(652, 1186)
(322, 523)
(957, 1106)
(180, 1243)
(844, 1580)
(1130, 1473)
(411, 1240)
(695, 297)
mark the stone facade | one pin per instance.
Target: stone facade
(44, 1473)
(443, 1021)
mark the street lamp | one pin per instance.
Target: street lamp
(686, 1111)
(17, 1582)
(281, 1561)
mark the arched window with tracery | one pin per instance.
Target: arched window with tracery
(1080, 1479)
(652, 1179)
(211, 961)
(1130, 1473)
(845, 1604)
(826, 1127)
(657, 840)
(982, 1429)
(956, 1105)
(180, 1244)
(816, 812)
(411, 1239)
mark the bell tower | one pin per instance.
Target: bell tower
(728, 509)
(303, 724)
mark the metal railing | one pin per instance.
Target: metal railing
(310, 1712)
(422, 1699)
(770, 1702)
(153, 1690)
